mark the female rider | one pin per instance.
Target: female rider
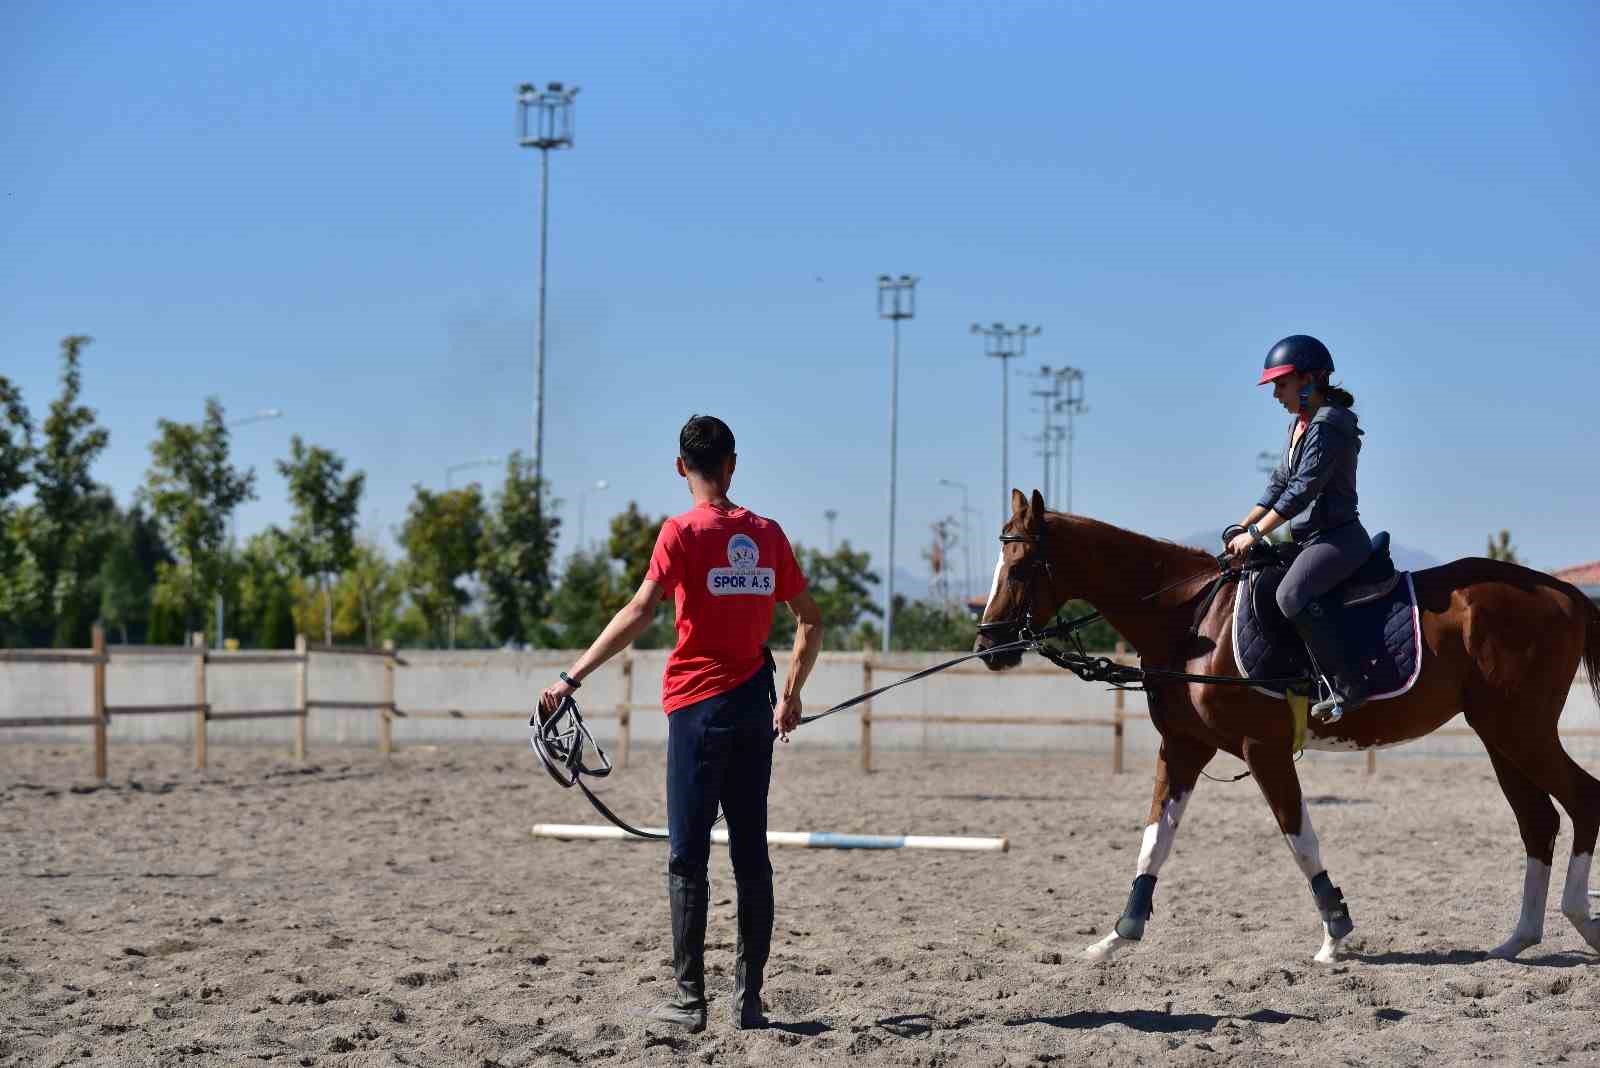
(1313, 489)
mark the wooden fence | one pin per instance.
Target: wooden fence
(206, 660)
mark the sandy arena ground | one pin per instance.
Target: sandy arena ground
(352, 913)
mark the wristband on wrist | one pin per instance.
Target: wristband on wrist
(1255, 532)
(570, 681)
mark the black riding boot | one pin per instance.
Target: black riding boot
(1320, 629)
(755, 941)
(687, 1007)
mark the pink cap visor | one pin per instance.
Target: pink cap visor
(1275, 372)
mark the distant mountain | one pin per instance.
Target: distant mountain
(1405, 557)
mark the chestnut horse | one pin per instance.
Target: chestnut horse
(1501, 645)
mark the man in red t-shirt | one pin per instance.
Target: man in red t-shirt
(726, 568)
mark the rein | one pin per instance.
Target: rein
(561, 738)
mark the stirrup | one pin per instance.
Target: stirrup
(1329, 710)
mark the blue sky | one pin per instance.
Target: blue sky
(322, 208)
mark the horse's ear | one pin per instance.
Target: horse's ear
(1019, 503)
(1036, 512)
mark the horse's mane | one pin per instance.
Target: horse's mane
(1160, 549)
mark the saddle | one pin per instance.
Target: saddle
(1376, 611)
(1374, 579)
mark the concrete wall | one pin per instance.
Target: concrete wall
(510, 682)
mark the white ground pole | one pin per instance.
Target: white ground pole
(803, 839)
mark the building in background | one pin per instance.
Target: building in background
(1584, 576)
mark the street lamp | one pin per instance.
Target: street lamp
(966, 533)
(487, 461)
(1005, 343)
(544, 121)
(259, 417)
(599, 484)
(897, 300)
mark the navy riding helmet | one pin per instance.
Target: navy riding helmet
(1297, 352)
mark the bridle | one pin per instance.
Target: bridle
(1021, 622)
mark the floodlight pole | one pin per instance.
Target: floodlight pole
(1069, 381)
(545, 121)
(830, 514)
(897, 300)
(1005, 343)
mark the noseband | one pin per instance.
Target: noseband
(1020, 621)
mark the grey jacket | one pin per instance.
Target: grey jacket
(1314, 484)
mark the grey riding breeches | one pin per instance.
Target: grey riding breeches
(1322, 564)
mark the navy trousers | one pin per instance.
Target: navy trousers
(719, 752)
(1324, 562)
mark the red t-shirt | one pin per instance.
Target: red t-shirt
(726, 571)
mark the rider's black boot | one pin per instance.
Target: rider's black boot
(755, 941)
(687, 1007)
(1320, 629)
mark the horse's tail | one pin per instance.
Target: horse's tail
(1591, 649)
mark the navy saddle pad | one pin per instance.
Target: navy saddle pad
(1385, 635)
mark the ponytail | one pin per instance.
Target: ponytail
(1336, 395)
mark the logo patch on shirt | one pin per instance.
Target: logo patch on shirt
(742, 576)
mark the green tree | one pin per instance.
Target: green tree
(578, 607)
(264, 616)
(192, 489)
(55, 545)
(1502, 549)
(368, 597)
(518, 549)
(925, 626)
(16, 458)
(321, 539)
(443, 540)
(842, 583)
(133, 551)
(631, 544)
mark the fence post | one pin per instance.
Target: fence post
(1119, 701)
(198, 640)
(1372, 761)
(866, 713)
(301, 696)
(99, 702)
(625, 711)
(386, 725)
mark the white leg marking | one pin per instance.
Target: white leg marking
(1308, 855)
(1530, 922)
(1153, 853)
(1575, 899)
(1158, 836)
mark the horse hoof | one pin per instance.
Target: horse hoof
(1590, 930)
(1511, 947)
(1329, 953)
(1104, 949)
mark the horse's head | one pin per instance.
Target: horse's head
(1024, 594)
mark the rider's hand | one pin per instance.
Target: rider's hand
(786, 717)
(552, 697)
(1240, 545)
